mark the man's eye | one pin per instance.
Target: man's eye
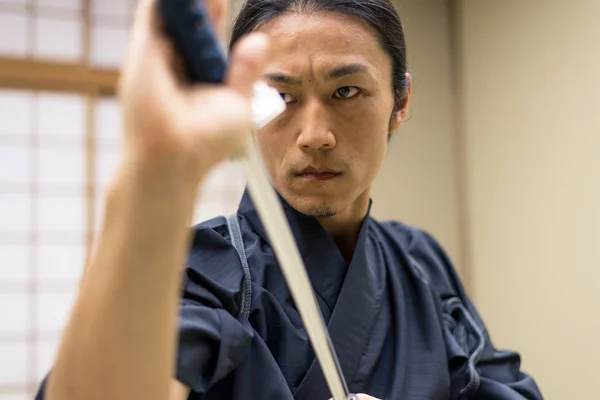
(346, 92)
(287, 98)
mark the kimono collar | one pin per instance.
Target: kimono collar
(324, 262)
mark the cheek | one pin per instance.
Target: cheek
(273, 148)
(367, 132)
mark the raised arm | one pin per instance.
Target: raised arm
(120, 341)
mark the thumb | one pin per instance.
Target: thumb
(247, 63)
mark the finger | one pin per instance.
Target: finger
(151, 55)
(144, 26)
(217, 12)
(247, 62)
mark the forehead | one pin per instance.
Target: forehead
(324, 39)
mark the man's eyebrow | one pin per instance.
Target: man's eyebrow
(282, 78)
(337, 73)
(345, 70)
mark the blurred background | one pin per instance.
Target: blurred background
(500, 160)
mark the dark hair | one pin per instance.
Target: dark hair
(379, 14)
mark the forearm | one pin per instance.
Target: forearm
(120, 341)
(121, 338)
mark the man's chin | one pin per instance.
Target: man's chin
(314, 207)
(321, 212)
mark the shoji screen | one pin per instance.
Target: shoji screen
(58, 149)
(42, 227)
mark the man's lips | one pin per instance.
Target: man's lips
(318, 176)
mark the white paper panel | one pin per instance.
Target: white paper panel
(61, 114)
(60, 263)
(108, 45)
(207, 210)
(15, 262)
(15, 213)
(54, 310)
(16, 396)
(62, 4)
(19, 2)
(14, 35)
(16, 111)
(61, 214)
(58, 39)
(115, 8)
(99, 208)
(15, 164)
(61, 166)
(226, 176)
(13, 363)
(106, 165)
(221, 192)
(108, 121)
(14, 316)
(46, 354)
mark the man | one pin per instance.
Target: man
(399, 319)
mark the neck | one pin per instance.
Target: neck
(344, 226)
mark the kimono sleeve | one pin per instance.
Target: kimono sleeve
(496, 373)
(213, 338)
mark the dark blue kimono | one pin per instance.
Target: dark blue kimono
(401, 323)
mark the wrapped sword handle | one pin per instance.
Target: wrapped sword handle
(187, 24)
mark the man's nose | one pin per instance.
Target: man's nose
(316, 131)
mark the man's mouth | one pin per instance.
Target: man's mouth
(316, 174)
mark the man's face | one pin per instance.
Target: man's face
(324, 151)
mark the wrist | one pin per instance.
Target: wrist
(164, 167)
(165, 193)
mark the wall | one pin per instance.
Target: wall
(531, 118)
(418, 183)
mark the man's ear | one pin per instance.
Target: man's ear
(402, 102)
